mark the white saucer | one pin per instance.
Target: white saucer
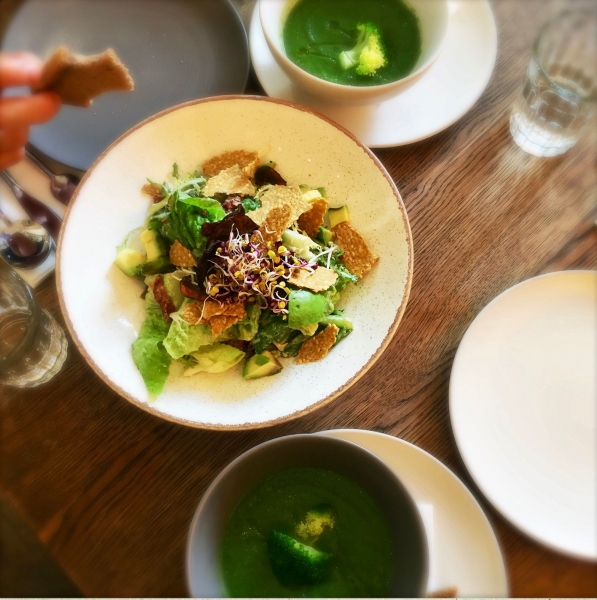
(442, 96)
(464, 552)
(523, 404)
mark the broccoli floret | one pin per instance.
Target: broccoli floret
(294, 563)
(318, 519)
(368, 54)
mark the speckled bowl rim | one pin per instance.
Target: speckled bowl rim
(299, 413)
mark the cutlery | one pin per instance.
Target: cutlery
(62, 186)
(37, 210)
(24, 244)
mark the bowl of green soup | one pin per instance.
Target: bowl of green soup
(307, 516)
(354, 51)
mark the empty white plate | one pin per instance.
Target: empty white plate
(523, 404)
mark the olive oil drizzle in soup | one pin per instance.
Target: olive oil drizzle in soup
(359, 540)
(316, 32)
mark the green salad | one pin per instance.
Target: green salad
(240, 267)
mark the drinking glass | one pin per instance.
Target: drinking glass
(559, 97)
(32, 345)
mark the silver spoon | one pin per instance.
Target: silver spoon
(24, 244)
(62, 186)
(35, 209)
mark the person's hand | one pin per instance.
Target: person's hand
(18, 113)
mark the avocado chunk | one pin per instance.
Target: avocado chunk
(215, 358)
(154, 244)
(261, 365)
(305, 308)
(299, 243)
(338, 215)
(339, 321)
(130, 261)
(159, 265)
(310, 195)
(325, 235)
(295, 563)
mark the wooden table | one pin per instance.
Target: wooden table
(111, 490)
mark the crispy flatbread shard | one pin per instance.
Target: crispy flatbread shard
(163, 298)
(181, 256)
(218, 316)
(318, 346)
(229, 181)
(277, 196)
(247, 161)
(321, 279)
(277, 221)
(357, 256)
(79, 79)
(154, 190)
(311, 220)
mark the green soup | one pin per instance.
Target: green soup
(316, 32)
(357, 540)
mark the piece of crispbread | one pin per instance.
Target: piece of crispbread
(218, 316)
(317, 281)
(311, 220)
(229, 181)
(247, 161)
(278, 196)
(79, 79)
(278, 220)
(357, 256)
(180, 256)
(317, 347)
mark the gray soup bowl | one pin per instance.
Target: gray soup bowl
(409, 543)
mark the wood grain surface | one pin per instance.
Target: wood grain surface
(111, 489)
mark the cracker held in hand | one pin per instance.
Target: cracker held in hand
(357, 256)
(79, 79)
(317, 347)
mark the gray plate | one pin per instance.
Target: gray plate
(176, 50)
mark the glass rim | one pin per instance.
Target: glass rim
(565, 92)
(14, 355)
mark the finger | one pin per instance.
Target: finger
(19, 68)
(10, 158)
(28, 110)
(13, 139)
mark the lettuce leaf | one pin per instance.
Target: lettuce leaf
(215, 358)
(184, 338)
(183, 218)
(344, 275)
(149, 354)
(247, 328)
(272, 328)
(250, 204)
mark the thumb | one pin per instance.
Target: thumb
(19, 68)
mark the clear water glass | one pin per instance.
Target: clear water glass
(559, 98)
(32, 345)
